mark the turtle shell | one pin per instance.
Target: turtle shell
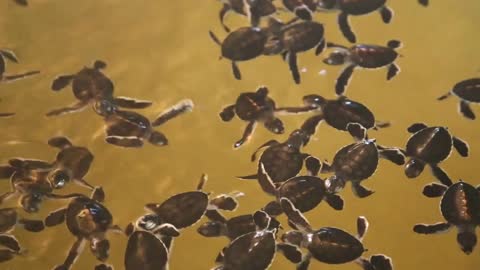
(305, 192)
(145, 251)
(251, 106)
(8, 219)
(468, 90)
(99, 218)
(334, 246)
(90, 84)
(339, 113)
(253, 251)
(356, 161)
(281, 162)
(372, 56)
(461, 204)
(76, 159)
(128, 123)
(360, 7)
(302, 36)
(432, 144)
(244, 44)
(184, 209)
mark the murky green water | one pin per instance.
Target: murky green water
(160, 51)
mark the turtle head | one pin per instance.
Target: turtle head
(211, 229)
(58, 179)
(414, 168)
(327, 4)
(31, 202)
(336, 58)
(105, 107)
(298, 138)
(293, 237)
(314, 100)
(335, 184)
(467, 241)
(158, 139)
(275, 125)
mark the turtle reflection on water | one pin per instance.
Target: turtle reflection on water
(87, 219)
(330, 245)
(460, 206)
(9, 55)
(131, 129)
(468, 91)
(91, 86)
(255, 9)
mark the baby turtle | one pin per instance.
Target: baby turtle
(363, 56)
(23, 3)
(255, 250)
(87, 219)
(358, 161)
(355, 8)
(91, 86)
(431, 145)
(131, 129)
(254, 9)
(460, 206)
(468, 91)
(303, 9)
(424, 2)
(9, 55)
(328, 244)
(243, 44)
(282, 161)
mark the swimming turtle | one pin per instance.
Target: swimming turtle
(424, 2)
(21, 2)
(254, 9)
(9, 55)
(355, 8)
(131, 129)
(358, 161)
(88, 220)
(91, 86)
(430, 146)
(328, 244)
(460, 206)
(282, 161)
(468, 91)
(363, 56)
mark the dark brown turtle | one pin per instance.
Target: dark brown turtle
(243, 44)
(328, 244)
(303, 9)
(358, 161)
(424, 2)
(131, 129)
(282, 161)
(363, 56)
(9, 55)
(460, 206)
(91, 86)
(255, 250)
(23, 3)
(355, 8)
(292, 38)
(254, 107)
(88, 220)
(254, 9)
(468, 91)
(430, 146)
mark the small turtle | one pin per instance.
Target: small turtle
(282, 161)
(424, 2)
(243, 44)
(358, 161)
(469, 92)
(254, 9)
(303, 9)
(431, 145)
(330, 245)
(363, 56)
(254, 107)
(292, 38)
(23, 3)
(9, 55)
(355, 8)
(305, 192)
(460, 206)
(130, 129)
(87, 219)
(255, 250)
(91, 86)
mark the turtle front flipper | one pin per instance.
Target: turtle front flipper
(223, 12)
(393, 70)
(76, 107)
(310, 125)
(56, 217)
(124, 141)
(292, 63)
(303, 12)
(10, 55)
(180, 108)
(461, 146)
(60, 142)
(386, 13)
(32, 225)
(321, 47)
(393, 155)
(312, 164)
(361, 191)
(246, 134)
(343, 80)
(345, 27)
(305, 263)
(294, 215)
(362, 227)
(6, 255)
(434, 190)
(11, 78)
(273, 209)
(74, 252)
(6, 115)
(441, 175)
(131, 103)
(290, 252)
(30, 164)
(61, 82)
(335, 201)
(466, 110)
(10, 242)
(265, 181)
(416, 127)
(431, 229)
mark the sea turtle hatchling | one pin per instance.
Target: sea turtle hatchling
(468, 91)
(362, 56)
(424, 3)
(328, 244)
(355, 8)
(460, 206)
(91, 86)
(254, 9)
(9, 55)
(430, 146)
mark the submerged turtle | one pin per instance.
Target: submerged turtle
(87, 219)
(431, 145)
(424, 2)
(91, 86)
(468, 91)
(282, 161)
(355, 8)
(358, 161)
(254, 107)
(131, 129)
(303, 9)
(363, 56)
(23, 3)
(243, 44)
(9, 55)
(328, 244)
(460, 206)
(254, 9)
